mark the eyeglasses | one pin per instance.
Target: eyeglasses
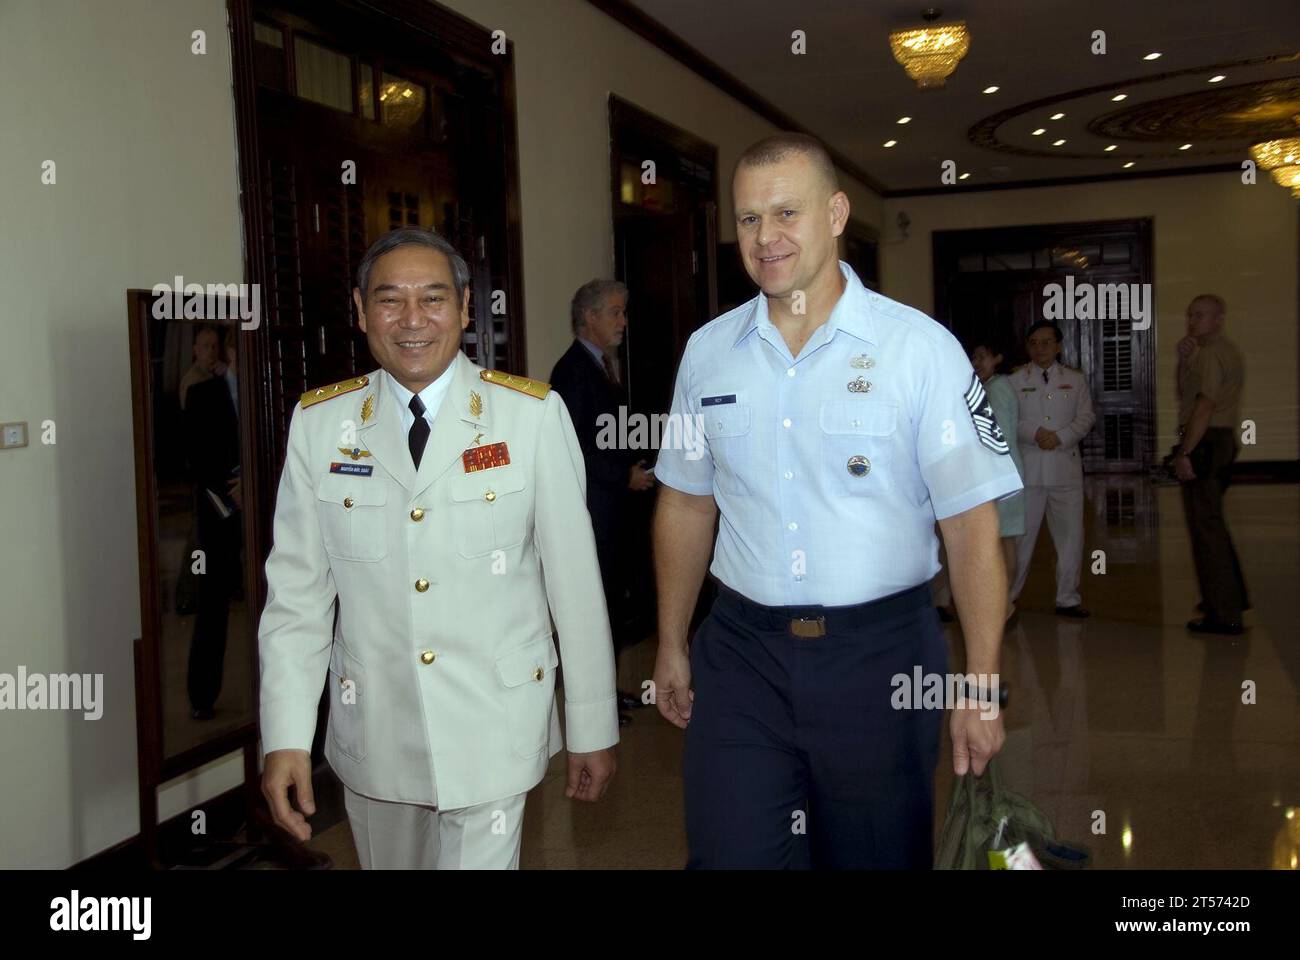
(1042, 343)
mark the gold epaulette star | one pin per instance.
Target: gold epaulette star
(534, 388)
(320, 394)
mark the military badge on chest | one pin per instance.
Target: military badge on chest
(981, 413)
(485, 457)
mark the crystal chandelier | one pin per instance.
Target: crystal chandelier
(930, 54)
(1272, 154)
(1281, 158)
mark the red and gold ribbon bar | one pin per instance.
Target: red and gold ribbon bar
(485, 458)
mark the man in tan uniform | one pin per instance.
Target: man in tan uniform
(428, 498)
(1211, 374)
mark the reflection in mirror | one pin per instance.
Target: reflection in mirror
(206, 637)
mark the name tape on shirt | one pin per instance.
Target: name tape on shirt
(717, 401)
(981, 412)
(352, 469)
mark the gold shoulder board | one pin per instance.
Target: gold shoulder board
(333, 390)
(534, 388)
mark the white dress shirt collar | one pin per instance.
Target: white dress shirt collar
(431, 396)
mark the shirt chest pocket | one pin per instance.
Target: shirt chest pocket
(726, 427)
(859, 446)
(489, 510)
(352, 516)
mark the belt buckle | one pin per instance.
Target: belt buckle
(808, 628)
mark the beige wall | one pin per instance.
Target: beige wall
(568, 58)
(1211, 234)
(142, 134)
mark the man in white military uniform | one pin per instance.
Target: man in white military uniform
(1055, 414)
(429, 497)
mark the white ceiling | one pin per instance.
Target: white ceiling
(848, 89)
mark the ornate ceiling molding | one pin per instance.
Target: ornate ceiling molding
(1142, 121)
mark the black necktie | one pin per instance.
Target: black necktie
(419, 431)
(1044, 376)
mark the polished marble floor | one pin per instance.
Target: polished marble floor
(1126, 714)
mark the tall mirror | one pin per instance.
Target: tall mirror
(196, 659)
(206, 626)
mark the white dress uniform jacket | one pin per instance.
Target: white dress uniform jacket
(441, 666)
(1062, 404)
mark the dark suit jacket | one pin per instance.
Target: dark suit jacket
(580, 380)
(211, 436)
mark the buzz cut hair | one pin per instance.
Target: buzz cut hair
(782, 146)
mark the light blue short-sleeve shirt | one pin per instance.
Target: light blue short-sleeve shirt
(830, 470)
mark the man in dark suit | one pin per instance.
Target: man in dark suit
(212, 446)
(587, 379)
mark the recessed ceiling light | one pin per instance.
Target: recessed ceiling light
(1057, 116)
(992, 89)
(1152, 56)
(1217, 77)
(1185, 146)
(1110, 148)
(890, 143)
(1129, 164)
(1119, 96)
(1039, 132)
(1057, 143)
(904, 120)
(963, 176)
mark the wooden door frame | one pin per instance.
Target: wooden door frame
(943, 243)
(628, 119)
(451, 35)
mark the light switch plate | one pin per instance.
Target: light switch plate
(13, 435)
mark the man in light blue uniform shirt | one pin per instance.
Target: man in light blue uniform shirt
(838, 426)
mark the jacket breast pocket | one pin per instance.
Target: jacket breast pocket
(490, 510)
(528, 675)
(347, 712)
(352, 516)
(859, 440)
(727, 429)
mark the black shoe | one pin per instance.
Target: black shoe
(945, 615)
(204, 713)
(1075, 611)
(624, 719)
(1231, 628)
(1200, 607)
(628, 702)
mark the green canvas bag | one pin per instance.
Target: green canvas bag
(979, 805)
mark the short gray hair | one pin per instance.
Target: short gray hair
(591, 296)
(418, 236)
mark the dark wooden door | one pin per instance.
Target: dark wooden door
(361, 131)
(990, 285)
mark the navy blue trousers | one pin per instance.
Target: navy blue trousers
(795, 757)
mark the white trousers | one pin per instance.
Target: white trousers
(1064, 509)
(408, 836)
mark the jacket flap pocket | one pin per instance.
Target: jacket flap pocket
(527, 664)
(729, 420)
(342, 663)
(477, 485)
(868, 418)
(352, 491)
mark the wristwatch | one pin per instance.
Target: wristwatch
(982, 695)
